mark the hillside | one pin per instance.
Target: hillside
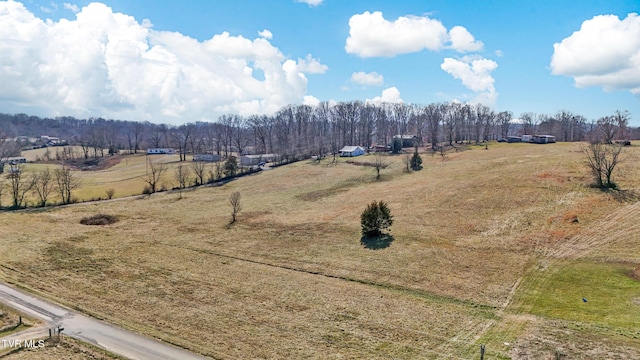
(495, 247)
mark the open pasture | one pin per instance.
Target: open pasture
(494, 247)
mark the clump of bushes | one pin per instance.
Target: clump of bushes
(99, 219)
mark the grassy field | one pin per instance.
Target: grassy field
(10, 321)
(494, 247)
(126, 177)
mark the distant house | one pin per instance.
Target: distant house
(350, 151)
(543, 139)
(251, 160)
(51, 141)
(161, 151)
(514, 139)
(13, 160)
(526, 138)
(206, 157)
(408, 141)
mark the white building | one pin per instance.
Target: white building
(161, 151)
(350, 151)
(206, 157)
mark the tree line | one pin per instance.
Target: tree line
(299, 130)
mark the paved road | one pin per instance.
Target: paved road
(112, 338)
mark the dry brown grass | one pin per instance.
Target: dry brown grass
(291, 279)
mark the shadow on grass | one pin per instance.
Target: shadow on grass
(624, 195)
(381, 241)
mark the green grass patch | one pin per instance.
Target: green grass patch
(610, 293)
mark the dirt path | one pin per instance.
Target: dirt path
(78, 326)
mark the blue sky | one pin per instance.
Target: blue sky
(186, 61)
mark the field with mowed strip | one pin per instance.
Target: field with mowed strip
(507, 247)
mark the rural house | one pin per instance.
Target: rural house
(206, 157)
(408, 141)
(350, 151)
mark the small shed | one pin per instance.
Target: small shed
(351, 151)
(206, 157)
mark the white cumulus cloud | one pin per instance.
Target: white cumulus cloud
(311, 100)
(463, 41)
(389, 95)
(367, 79)
(107, 64)
(475, 74)
(371, 35)
(309, 65)
(74, 8)
(605, 52)
(265, 34)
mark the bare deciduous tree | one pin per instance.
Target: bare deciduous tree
(379, 163)
(181, 137)
(19, 184)
(602, 160)
(240, 138)
(182, 175)
(219, 170)
(614, 126)
(110, 192)
(608, 128)
(43, 185)
(66, 182)
(236, 206)
(134, 134)
(504, 120)
(154, 174)
(406, 160)
(199, 169)
(622, 120)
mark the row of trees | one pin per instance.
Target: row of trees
(303, 130)
(196, 173)
(43, 185)
(56, 186)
